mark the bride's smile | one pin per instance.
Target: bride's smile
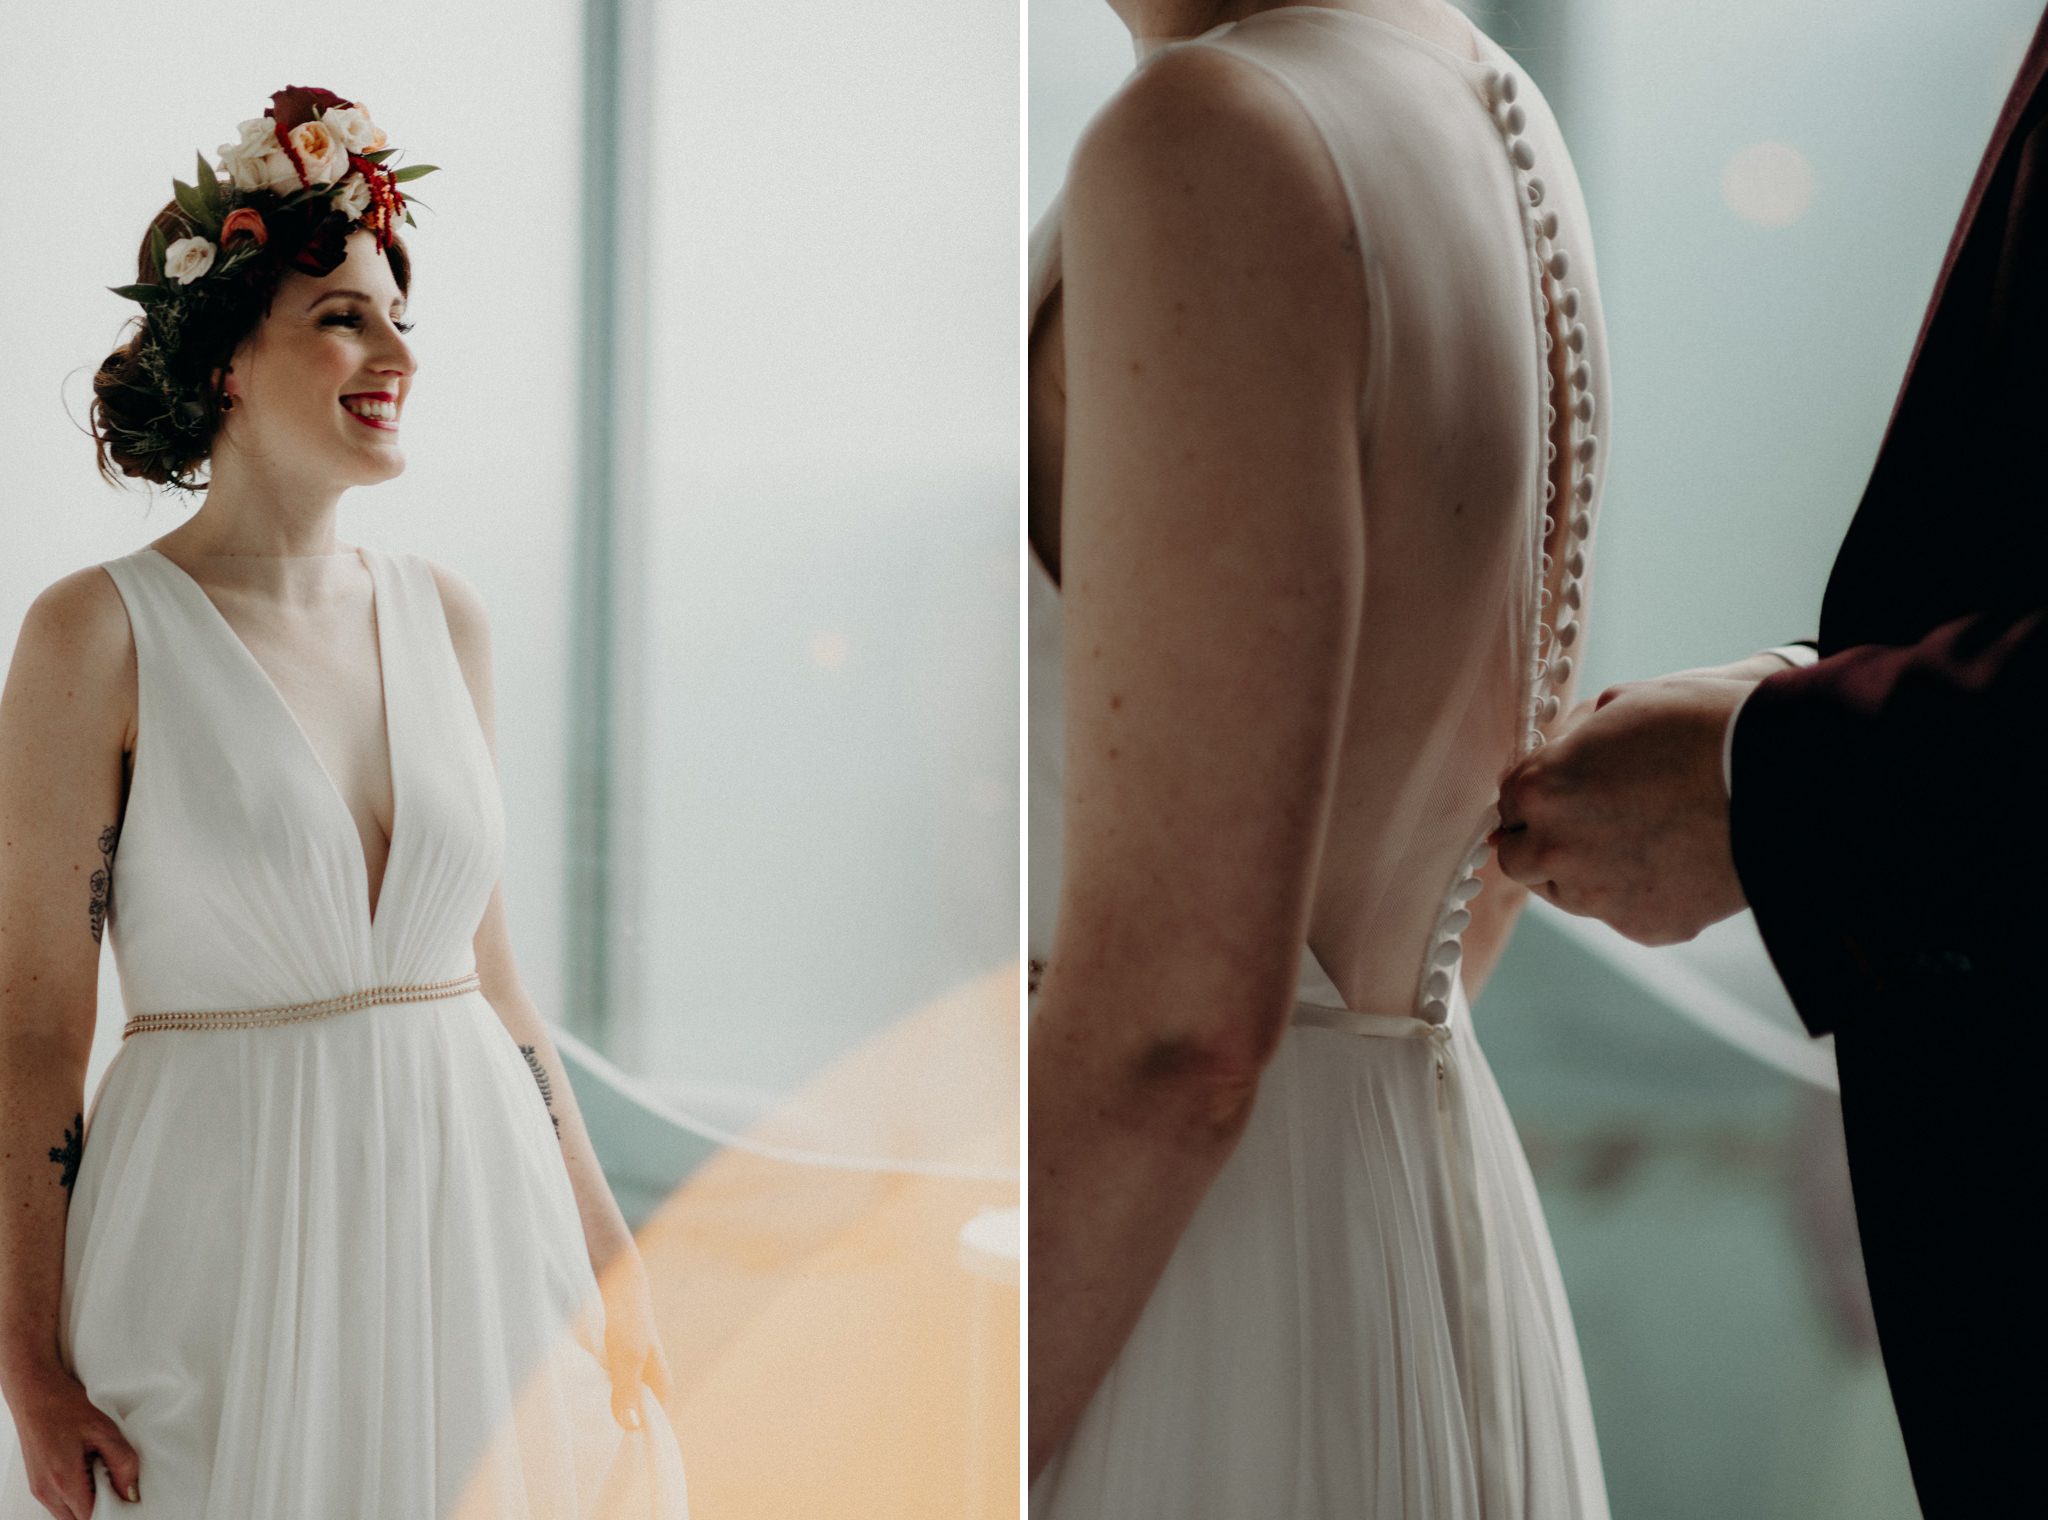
(320, 386)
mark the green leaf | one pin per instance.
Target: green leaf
(409, 221)
(412, 201)
(156, 248)
(413, 171)
(209, 188)
(193, 204)
(379, 156)
(143, 293)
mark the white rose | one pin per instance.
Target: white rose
(352, 197)
(187, 259)
(257, 162)
(320, 151)
(252, 163)
(353, 126)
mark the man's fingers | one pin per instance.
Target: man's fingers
(1515, 787)
(1525, 854)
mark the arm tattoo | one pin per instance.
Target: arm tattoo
(69, 1153)
(540, 1075)
(103, 882)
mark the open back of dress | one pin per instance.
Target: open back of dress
(1365, 1317)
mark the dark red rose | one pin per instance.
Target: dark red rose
(298, 104)
(324, 249)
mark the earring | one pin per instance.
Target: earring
(227, 403)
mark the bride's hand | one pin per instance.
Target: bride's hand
(61, 1432)
(632, 1348)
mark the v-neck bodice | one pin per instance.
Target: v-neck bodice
(240, 879)
(297, 724)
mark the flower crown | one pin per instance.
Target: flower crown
(305, 174)
(309, 172)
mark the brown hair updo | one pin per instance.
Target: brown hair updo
(158, 398)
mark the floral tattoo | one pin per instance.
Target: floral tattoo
(70, 1152)
(102, 900)
(540, 1075)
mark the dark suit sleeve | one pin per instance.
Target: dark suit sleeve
(1882, 817)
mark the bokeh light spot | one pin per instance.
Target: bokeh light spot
(1767, 183)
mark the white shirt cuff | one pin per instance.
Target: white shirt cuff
(1796, 657)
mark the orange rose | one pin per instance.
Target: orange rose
(241, 223)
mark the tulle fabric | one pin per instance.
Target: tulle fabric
(312, 1269)
(1300, 1356)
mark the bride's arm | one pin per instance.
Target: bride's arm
(66, 721)
(1213, 577)
(631, 1347)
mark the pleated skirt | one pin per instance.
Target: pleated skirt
(335, 1269)
(1305, 1353)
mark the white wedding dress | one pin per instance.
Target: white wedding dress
(1364, 1318)
(317, 1259)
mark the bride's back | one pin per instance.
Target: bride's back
(1453, 457)
(1453, 460)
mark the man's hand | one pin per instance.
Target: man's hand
(1624, 817)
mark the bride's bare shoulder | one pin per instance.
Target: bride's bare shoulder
(79, 624)
(1200, 131)
(73, 670)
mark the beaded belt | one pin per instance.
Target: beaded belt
(299, 1013)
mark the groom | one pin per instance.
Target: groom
(1880, 810)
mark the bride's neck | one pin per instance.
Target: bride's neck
(254, 512)
(264, 537)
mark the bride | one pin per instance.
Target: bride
(1318, 398)
(331, 1239)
